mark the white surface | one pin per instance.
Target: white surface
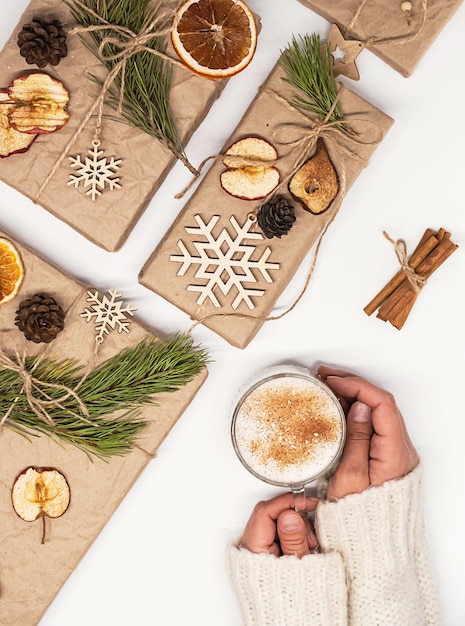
(160, 560)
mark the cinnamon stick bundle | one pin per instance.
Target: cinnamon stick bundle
(395, 301)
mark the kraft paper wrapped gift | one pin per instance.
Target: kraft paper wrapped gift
(399, 32)
(109, 219)
(271, 117)
(31, 574)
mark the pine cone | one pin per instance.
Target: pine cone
(276, 217)
(42, 41)
(40, 318)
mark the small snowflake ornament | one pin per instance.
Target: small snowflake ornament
(95, 173)
(107, 313)
(225, 263)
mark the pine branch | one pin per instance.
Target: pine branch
(147, 77)
(309, 70)
(124, 383)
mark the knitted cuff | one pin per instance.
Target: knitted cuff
(381, 536)
(286, 590)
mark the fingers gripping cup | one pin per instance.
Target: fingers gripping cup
(288, 428)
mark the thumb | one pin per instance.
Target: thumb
(359, 431)
(352, 474)
(293, 534)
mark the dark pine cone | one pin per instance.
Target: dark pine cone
(42, 41)
(40, 318)
(276, 217)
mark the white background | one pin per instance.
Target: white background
(161, 558)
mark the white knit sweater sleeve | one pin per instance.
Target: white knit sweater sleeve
(287, 591)
(382, 539)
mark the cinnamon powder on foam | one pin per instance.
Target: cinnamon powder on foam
(297, 424)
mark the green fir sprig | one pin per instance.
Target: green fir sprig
(147, 78)
(122, 384)
(308, 67)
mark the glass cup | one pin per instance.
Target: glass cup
(288, 428)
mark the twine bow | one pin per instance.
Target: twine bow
(308, 133)
(337, 131)
(128, 42)
(400, 247)
(35, 391)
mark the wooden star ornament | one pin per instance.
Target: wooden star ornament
(344, 53)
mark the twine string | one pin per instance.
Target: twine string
(395, 40)
(416, 281)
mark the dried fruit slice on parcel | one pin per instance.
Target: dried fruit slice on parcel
(11, 271)
(11, 141)
(315, 184)
(40, 492)
(41, 103)
(215, 38)
(251, 172)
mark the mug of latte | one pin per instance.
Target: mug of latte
(288, 428)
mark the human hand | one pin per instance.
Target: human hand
(277, 528)
(377, 447)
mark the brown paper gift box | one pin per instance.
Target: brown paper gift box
(397, 37)
(108, 220)
(268, 116)
(31, 574)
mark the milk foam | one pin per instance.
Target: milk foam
(288, 429)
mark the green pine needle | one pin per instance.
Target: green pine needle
(147, 77)
(310, 71)
(124, 383)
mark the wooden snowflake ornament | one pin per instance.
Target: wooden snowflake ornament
(107, 313)
(95, 173)
(344, 53)
(224, 263)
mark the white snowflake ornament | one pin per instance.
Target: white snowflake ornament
(108, 313)
(225, 262)
(95, 172)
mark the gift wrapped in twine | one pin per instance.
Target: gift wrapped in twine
(344, 142)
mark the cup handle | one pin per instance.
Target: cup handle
(300, 501)
(300, 505)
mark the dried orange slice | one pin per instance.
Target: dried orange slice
(215, 38)
(11, 271)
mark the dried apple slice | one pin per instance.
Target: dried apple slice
(251, 172)
(41, 104)
(40, 492)
(11, 141)
(315, 184)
